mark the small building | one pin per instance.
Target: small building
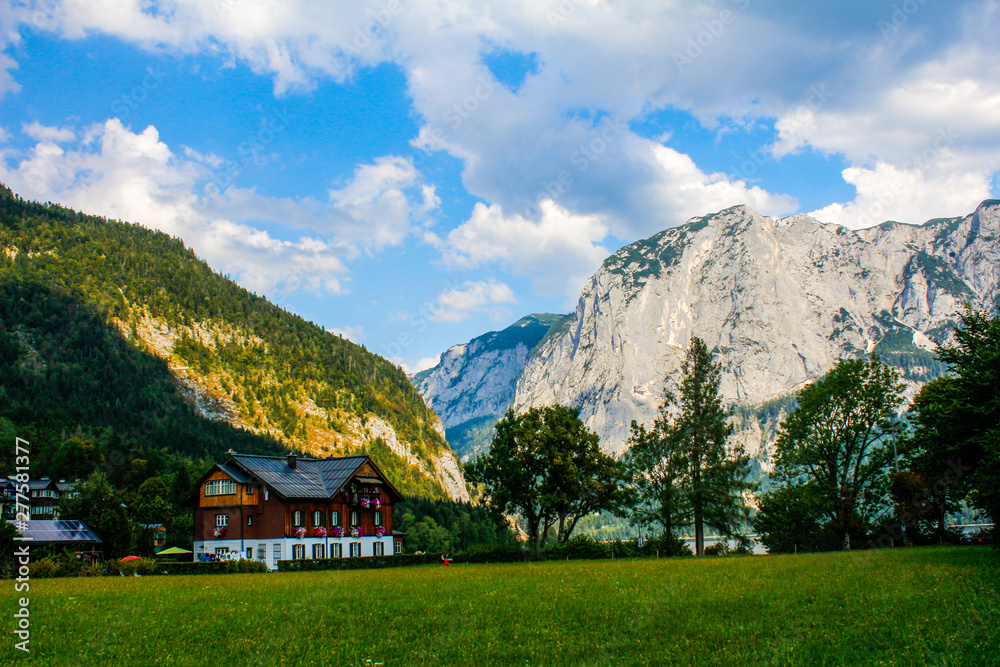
(74, 535)
(271, 508)
(159, 532)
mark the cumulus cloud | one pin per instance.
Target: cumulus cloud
(459, 303)
(115, 172)
(912, 195)
(895, 72)
(40, 132)
(558, 251)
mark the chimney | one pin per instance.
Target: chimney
(291, 461)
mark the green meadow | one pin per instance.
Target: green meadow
(889, 607)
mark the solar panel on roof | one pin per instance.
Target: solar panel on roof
(57, 531)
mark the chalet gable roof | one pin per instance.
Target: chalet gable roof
(310, 478)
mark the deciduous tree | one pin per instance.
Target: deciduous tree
(838, 438)
(545, 466)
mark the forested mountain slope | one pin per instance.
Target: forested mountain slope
(119, 340)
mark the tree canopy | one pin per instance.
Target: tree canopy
(837, 440)
(680, 469)
(956, 439)
(545, 466)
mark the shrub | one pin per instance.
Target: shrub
(720, 548)
(581, 546)
(667, 545)
(44, 568)
(492, 553)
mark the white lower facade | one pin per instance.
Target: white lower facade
(270, 552)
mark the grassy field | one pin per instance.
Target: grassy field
(892, 607)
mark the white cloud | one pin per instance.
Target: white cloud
(40, 132)
(459, 303)
(725, 62)
(558, 251)
(378, 209)
(136, 177)
(906, 195)
(353, 334)
(924, 147)
(421, 365)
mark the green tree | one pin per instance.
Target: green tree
(956, 440)
(654, 467)
(152, 502)
(837, 439)
(792, 519)
(98, 505)
(713, 480)
(545, 466)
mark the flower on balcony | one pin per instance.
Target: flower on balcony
(337, 531)
(380, 531)
(364, 502)
(377, 503)
(356, 531)
(299, 532)
(319, 531)
(220, 531)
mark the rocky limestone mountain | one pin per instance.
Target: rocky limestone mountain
(473, 384)
(779, 300)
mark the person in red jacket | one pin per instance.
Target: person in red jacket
(445, 561)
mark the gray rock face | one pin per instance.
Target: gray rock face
(473, 384)
(780, 301)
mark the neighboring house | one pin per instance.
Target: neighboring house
(41, 498)
(159, 535)
(271, 508)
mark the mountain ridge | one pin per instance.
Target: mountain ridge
(779, 300)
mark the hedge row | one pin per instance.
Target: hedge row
(574, 549)
(67, 565)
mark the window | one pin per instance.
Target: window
(249, 520)
(262, 552)
(220, 487)
(318, 518)
(379, 549)
(319, 551)
(354, 517)
(267, 494)
(160, 536)
(335, 551)
(298, 551)
(221, 551)
(297, 518)
(397, 547)
(249, 489)
(249, 553)
(276, 554)
(221, 520)
(334, 517)
(355, 549)
(378, 517)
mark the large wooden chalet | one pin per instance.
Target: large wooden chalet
(271, 508)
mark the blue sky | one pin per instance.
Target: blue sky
(415, 174)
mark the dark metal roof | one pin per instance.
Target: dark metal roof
(235, 473)
(310, 478)
(56, 531)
